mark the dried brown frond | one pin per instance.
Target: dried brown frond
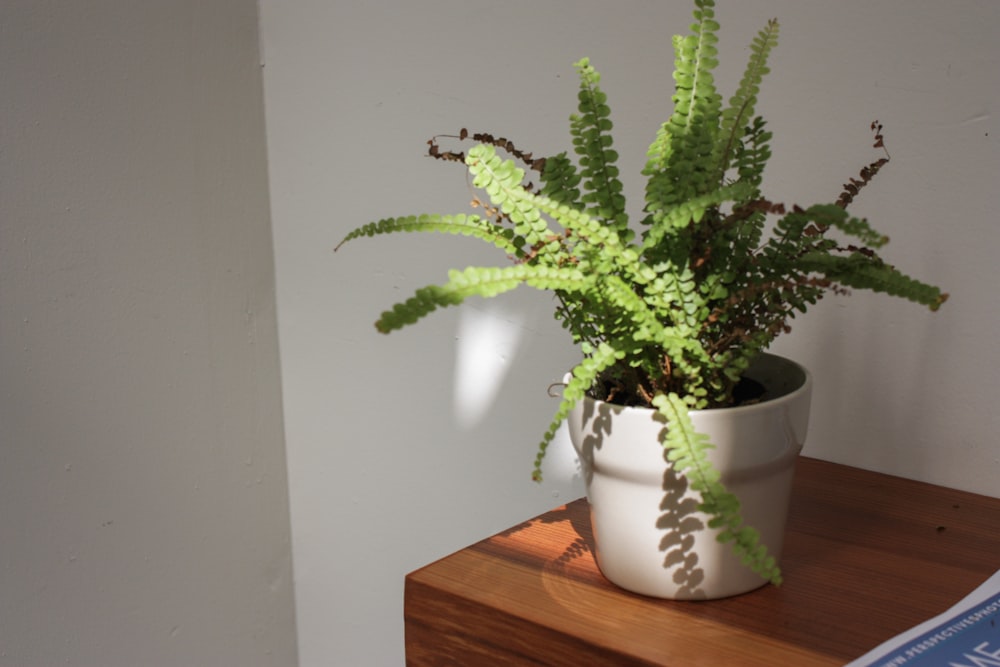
(867, 173)
(527, 158)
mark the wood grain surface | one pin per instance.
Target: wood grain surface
(866, 557)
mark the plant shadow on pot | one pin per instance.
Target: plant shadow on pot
(680, 521)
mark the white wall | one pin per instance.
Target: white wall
(385, 474)
(143, 493)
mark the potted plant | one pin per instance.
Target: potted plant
(672, 315)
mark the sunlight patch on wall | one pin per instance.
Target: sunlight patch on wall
(487, 341)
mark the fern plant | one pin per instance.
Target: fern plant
(670, 313)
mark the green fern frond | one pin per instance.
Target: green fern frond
(484, 282)
(596, 241)
(687, 450)
(692, 211)
(680, 163)
(593, 144)
(644, 330)
(831, 215)
(744, 237)
(423, 302)
(752, 153)
(583, 377)
(696, 99)
(802, 230)
(503, 182)
(465, 225)
(861, 271)
(692, 127)
(560, 180)
(592, 230)
(736, 117)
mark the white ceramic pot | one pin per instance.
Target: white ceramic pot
(650, 537)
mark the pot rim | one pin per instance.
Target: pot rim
(766, 404)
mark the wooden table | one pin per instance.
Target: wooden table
(866, 557)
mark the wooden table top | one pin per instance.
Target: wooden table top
(866, 557)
